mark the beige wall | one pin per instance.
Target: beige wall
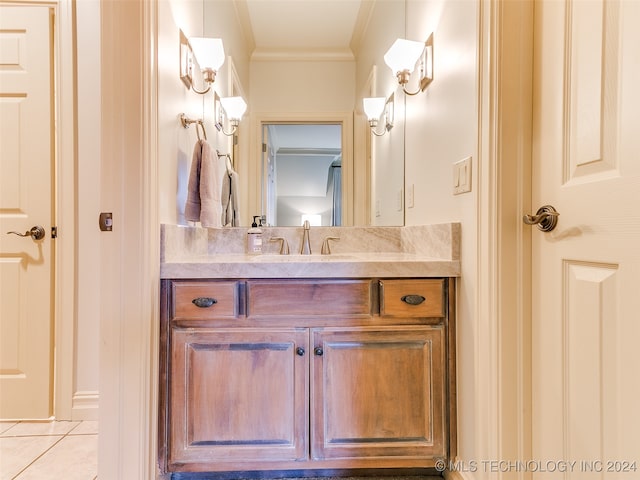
(442, 128)
(294, 86)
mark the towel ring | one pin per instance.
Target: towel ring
(204, 132)
(186, 121)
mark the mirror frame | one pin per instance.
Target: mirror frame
(255, 154)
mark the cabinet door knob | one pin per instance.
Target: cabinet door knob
(318, 351)
(204, 302)
(300, 351)
(413, 299)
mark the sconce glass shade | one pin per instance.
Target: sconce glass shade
(373, 107)
(234, 107)
(403, 55)
(209, 52)
(376, 107)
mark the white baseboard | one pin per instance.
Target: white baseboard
(84, 406)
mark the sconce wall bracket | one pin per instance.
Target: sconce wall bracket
(426, 64)
(425, 67)
(210, 56)
(186, 61)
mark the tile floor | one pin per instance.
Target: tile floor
(49, 450)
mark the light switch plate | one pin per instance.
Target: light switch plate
(462, 176)
(410, 196)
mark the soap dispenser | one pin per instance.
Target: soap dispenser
(254, 237)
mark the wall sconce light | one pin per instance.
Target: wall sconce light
(209, 55)
(375, 108)
(402, 58)
(231, 108)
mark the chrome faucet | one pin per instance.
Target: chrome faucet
(326, 247)
(305, 249)
(284, 245)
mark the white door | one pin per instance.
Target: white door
(586, 272)
(26, 193)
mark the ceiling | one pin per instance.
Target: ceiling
(285, 137)
(290, 27)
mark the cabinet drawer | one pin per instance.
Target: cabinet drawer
(306, 298)
(205, 300)
(412, 298)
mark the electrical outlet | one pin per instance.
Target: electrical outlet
(462, 176)
(410, 196)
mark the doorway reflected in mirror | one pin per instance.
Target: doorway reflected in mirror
(302, 173)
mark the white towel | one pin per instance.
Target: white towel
(204, 188)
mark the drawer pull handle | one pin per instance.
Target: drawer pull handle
(204, 302)
(413, 299)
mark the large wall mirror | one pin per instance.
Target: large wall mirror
(307, 167)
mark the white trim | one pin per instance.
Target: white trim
(486, 413)
(84, 406)
(151, 178)
(65, 245)
(503, 428)
(514, 92)
(234, 85)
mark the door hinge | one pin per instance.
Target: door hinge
(264, 148)
(54, 232)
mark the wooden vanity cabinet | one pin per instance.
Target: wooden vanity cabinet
(305, 374)
(378, 392)
(238, 395)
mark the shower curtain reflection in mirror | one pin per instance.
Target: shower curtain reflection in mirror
(301, 171)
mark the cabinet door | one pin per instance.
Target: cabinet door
(378, 392)
(238, 395)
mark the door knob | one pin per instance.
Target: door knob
(546, 218)
(37, 233)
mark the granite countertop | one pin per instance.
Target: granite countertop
(425, 251)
